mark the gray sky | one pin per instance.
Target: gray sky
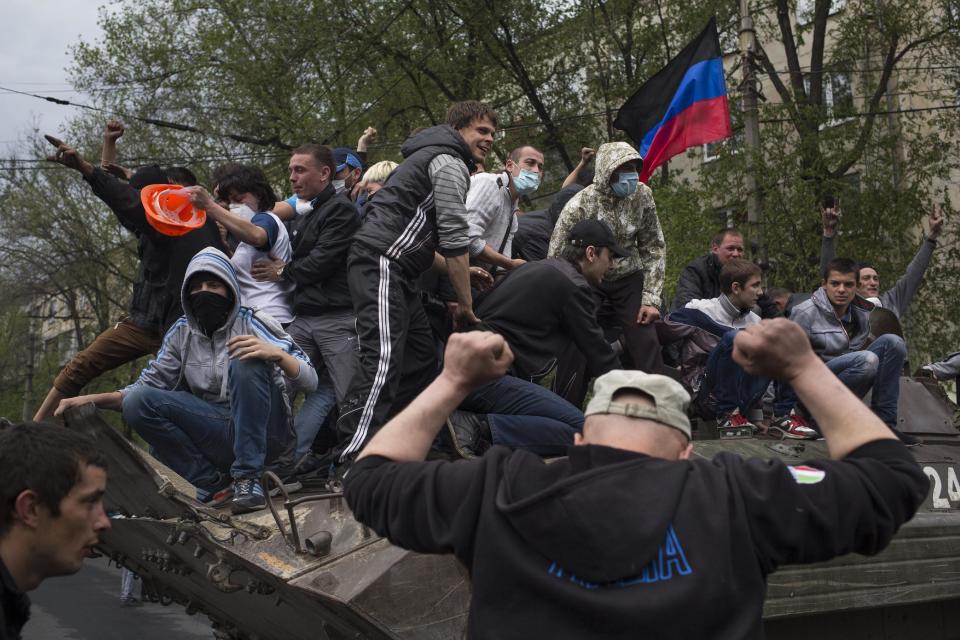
(33, 58)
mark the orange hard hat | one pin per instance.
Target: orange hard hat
(169, 209)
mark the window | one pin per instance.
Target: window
(837, 94)
(733, 144)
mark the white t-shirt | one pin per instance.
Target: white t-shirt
(275, 298)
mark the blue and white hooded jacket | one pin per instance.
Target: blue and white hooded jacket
(190, 361)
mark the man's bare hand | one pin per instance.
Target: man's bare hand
(356, 191)
(936, 222)
(776, 348)
(252, 347)
(369, 137)
(464, 318)
(830, 216)
(68, 156)
(648, 315)
(200, 197)
(266, 270)
(113, 131)
(480, 278)
(68, 403)
(476, 358)
(586, 155)
(115, 169)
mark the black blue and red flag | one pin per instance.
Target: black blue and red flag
(682, 106)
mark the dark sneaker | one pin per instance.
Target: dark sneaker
(907, 439)
(924, 372)
(217, 493)
(468, 433)
(794, 426)
(131, 602)
(221, 497)
(247, 496)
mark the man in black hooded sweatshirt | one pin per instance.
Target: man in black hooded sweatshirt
(417, 221)
(630, 534)
(155, 303)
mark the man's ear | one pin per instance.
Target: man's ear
(686, 453)
(26, 508)
(736, 288)
(590, 253)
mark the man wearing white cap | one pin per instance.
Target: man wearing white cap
(630, 535)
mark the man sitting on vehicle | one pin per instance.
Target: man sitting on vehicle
(215, 403)
(837, 320)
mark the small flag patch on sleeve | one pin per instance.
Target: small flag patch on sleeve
(803, 474)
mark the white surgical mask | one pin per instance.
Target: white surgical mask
(242, 210)
(339, 185)
(303, 207)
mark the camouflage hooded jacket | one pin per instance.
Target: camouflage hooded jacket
(633, 220)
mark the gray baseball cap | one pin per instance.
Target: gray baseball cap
(670, 399)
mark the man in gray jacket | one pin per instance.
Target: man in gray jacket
(837, 321)
(898, 298)
(215, 403)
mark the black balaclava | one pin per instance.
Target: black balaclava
(210, 309)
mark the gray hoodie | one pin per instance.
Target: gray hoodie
(190, 361)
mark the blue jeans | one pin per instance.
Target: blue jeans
(201, 440)
(524, 415)
(313, 412)
(726, 385)
(878, 367)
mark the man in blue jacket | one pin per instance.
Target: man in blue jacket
(630, 533)
(214, 404)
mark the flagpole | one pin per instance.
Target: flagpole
(751, 129)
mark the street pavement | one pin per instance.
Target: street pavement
(86, 606)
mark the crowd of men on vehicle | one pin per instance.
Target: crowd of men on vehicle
(422, 315)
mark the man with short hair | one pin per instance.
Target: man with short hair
(417, 221)
(897, 298)
(348, 169)
(324, 325)
(837, 320)
(155, 302)
(492, 206)
(728, 391)
(543, 307)
(621, 539)
(52, 482)
(214, 405)
(700, 280)
(632, 291)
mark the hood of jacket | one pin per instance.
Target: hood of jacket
(444, 136)
(556, 508)
(212, 261)
(611, 155)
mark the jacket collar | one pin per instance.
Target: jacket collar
(585, 457)
(731, 310)
(323, 196)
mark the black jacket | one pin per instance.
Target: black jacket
(532, 240)
(401, 222)
(540, 308)
(14, 606)
(700, 280)
(614, 544)
(320, 241)
(155, 304)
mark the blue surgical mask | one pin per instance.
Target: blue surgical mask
(626, 183)
(527, 182)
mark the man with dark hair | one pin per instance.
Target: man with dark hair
(630, 533)
(155, 303)
(727, 391)
(215, 404)
(52, 482)
(325, 323)
(534, 228)
(541, 308)
(898, 298)
(492, 206)
(260, 236)
(419, 211)
(700, 280)
(837, 320)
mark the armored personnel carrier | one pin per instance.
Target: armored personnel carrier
(306, 569)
